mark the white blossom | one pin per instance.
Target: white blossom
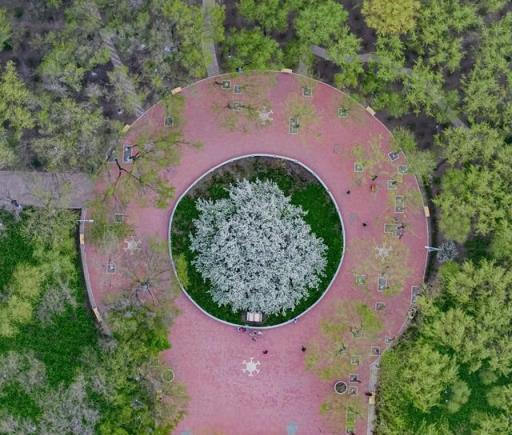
(447, 251)
(256, 250)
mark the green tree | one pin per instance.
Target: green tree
(49, 226)
(270, 15)
(384, 75)
(252, 50)
(75, 50)
(421, 163)
(17, 308)
(320, 23)
(15, 101)
(500, 247)
(15, 114)
(423, 89)
(438, 34)
(501, 397)
(122, 84)
(459, 395)
(481, 293)
(390, 55)
(490, 424)
(387, 17)
(476, 191)
(344, 53)
(462, 328)
(189, 34)
(427, 428)
(488, 88)
(426, 375)
(73, 136)
(133, 371)
(479, 144)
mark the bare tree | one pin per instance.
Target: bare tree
(146, 266)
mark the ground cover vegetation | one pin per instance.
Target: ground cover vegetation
(305, 192)
(59, 373)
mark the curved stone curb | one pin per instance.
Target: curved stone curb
(234, 159)
(83, 260)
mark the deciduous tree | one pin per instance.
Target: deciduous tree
(476, 192)
(73, 136)
(256, 249)
(270, 15)
(394, 17)
(252, 50)
(320, 23)
(426, 374)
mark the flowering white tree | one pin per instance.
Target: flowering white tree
(256, 250)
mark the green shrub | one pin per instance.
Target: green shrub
(182, 269)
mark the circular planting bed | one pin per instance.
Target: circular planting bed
(257, 234)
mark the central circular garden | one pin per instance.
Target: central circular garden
(257, 240)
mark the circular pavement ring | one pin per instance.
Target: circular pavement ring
(195, 337)
(214, 168)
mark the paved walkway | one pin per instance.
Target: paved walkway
(34, 188)
(208, 356)
(209, 49)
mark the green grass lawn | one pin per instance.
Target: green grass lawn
(59, 346)
(309, 194)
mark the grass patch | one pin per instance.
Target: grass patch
(17, 402)
(295, 182)
(60, 344)
(15, 248)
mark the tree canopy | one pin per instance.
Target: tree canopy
(390, 17)
(256, 250)
(458, 349)
(252, 50)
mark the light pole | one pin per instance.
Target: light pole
(432, 249)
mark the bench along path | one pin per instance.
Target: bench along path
(234, 388)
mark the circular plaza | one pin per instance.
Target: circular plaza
(361, 267)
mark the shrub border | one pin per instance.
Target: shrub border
(214, 168)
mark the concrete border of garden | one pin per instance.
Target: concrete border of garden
(234, 159)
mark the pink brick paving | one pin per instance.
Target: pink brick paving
(207, 355)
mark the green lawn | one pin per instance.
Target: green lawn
(59, 345)
(309, 194)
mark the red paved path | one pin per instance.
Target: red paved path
(207, 355)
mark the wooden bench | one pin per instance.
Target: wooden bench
(251, 317)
